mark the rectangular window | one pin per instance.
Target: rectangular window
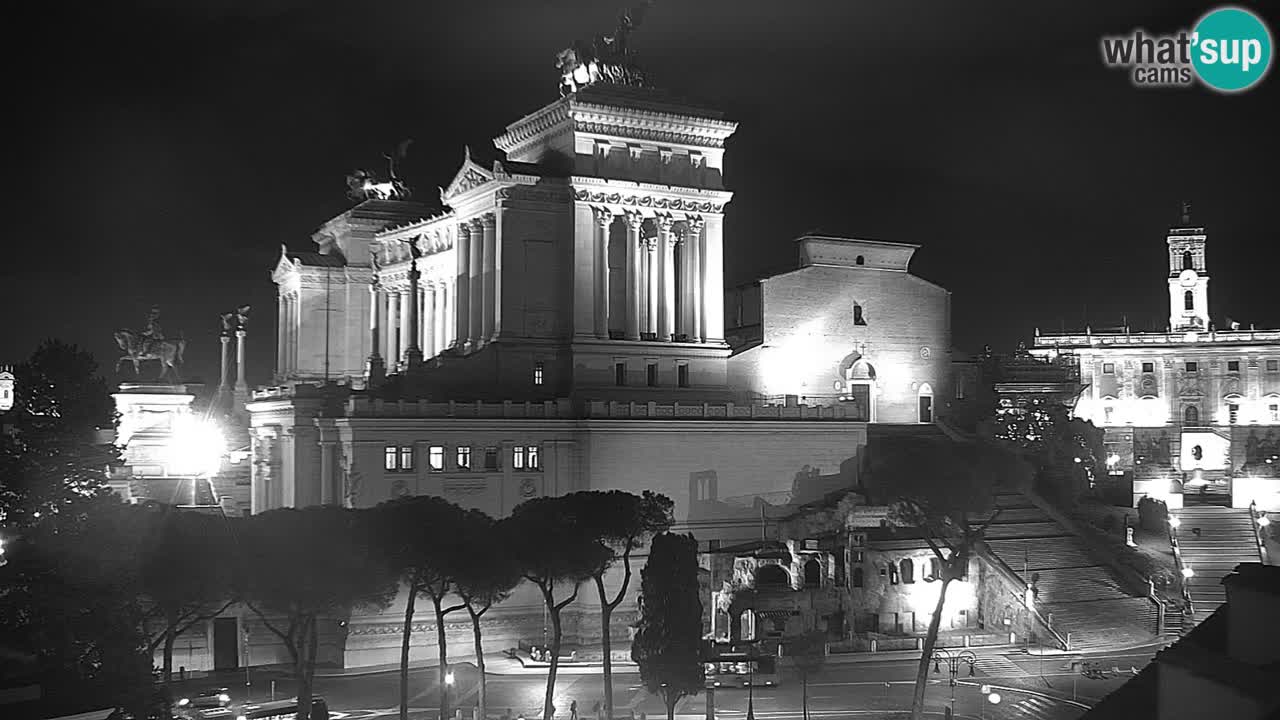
(491, 458)
(390, 458)
(682, 375)
(1108, 368)
(397, 458)
(435, 458)
(620, 374)
(1273, 365)
(1193, 366)
(960, 390)
(464, 458)
(1274, 411)
(1233, 366)
(651, 374)
(1108, 413)
(537, 373)
(1233, 413)
(1148, 367)
(406, 458)
(525, 457)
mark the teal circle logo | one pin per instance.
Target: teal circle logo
(1231, 49)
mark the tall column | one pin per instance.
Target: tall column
(488, 270)
(292, 340)
(652, 272)
(450, 315)
(634, 220)
(376, 369)
(604, 220)
(475, 286)
(427, 311)
(406, 324)
(694, 240)
(413, 318)
(242, 386)
(224, 384)
(713, 279)
(393, 328)
(281, 334)
(462, 304)
(667, 279)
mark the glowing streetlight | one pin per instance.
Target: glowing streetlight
(1263, 521)
(994, 698)
(1113, 460)
(448, 678)
(1175, 522)
(196, 446)
(1187, 572)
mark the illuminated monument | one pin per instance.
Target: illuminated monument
(558, 324)
(1195, 408)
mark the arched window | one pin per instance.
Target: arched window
(860, 260)
(925, 403)
(1188, 263)
(772, 576)
(813, 573)
(907, 569)
(1188, 300)
(857, 315)
(1191, 415)
(857, 577)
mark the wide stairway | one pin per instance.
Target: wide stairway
(1076, 593)
(1214, 540)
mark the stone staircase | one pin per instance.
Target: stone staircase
(1078, 594)
(1206, 487)
(1225, 539)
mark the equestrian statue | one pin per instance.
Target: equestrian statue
(151, 344)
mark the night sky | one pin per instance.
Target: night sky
(164, 150)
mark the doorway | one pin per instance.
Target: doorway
(226, 653)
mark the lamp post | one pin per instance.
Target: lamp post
(953, 661)
(448, 683)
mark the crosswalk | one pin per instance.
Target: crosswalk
(1035, 707)
(998, 666)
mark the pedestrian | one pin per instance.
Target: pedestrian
(573, 710)
(595, 710)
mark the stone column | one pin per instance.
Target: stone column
(462, 299)
(242, 386)
(489, 316)
(652, 272)
(281, 334)
(713, 279)
(634, 220)
(475, 321)
(292, 340)
(667, 279)
(327, 473)
(427, 311)
(406, 324)
(225, 382)
(604, 221)
(693, 242)
(376, 369)
(393, 328)
(413, 319)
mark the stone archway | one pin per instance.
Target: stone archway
(772, 576)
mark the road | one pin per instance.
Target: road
(1030, 688)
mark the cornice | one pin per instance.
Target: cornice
(652, 125)
(534, 125)
(641, 196)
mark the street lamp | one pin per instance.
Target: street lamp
(1187, 572)
(953, 661)
(196, 448)
(1175, 522)
(448, 683)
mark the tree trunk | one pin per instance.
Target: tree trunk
(442, 647)
(170, 637)
(671, 699)
(804, 694)
(926, 652)
(404, 652)
(606, 647)
(475, 632)
(304, 666)
(555, 655)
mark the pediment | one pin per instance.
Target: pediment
(470, 176)
(284, 266)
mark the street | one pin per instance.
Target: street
(1029, 687)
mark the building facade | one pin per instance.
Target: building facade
(559, 325)
(1195, 406)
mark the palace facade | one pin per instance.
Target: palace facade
(1197, 405)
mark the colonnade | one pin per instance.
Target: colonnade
(666, 279)
(391, 317)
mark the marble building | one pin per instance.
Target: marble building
(1198, 403)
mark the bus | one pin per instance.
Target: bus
(739, 666)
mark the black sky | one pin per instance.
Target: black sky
(163, 151)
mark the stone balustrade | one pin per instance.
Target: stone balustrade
(1172, 338)
(547, 410)
(596, 409)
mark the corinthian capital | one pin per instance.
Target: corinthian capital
(489, 220)
(635, 220)
(693, 224)
(604, 217)
(665, 223)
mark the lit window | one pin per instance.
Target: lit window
(1148, 367)
(1274, 411)
(620, 374)
(1108, 413)
(1233, 413)
(1233, 366)
(406, 458)
(1193, 366)
(464, 458)
(533, 457)
(537, 373)
(390, 458)
(682, 375)
(858, 319)
(1108, 368)
(491, 458)
(1273, 365)
(525, 457)
(435, 457)
(651, 374)
(397, 458)
(1188, 301)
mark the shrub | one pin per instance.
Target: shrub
(1152, 514)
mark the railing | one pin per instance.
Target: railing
(597, 409)
(1254, 517)
(365, 407)
(1170, 338)
(1182, 577)
(1009, 574)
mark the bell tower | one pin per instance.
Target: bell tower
(1188, 275)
